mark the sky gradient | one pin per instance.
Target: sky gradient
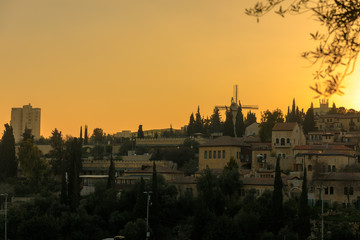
(116, 64)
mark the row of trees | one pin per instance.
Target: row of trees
(269, 119)
(214, 123)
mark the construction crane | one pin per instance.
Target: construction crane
(234, 106)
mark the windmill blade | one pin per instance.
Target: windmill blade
(221, 107)
(249, 106)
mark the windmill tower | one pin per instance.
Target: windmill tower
(234, 106)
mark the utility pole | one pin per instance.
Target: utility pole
(5, 195)
(147, 214)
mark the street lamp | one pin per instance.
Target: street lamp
(147, 214)
(5, 195)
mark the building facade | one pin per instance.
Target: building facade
(25, 117)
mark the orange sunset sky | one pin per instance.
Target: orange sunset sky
(116, 64)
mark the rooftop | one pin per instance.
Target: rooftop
(225, 141)
(284, 126)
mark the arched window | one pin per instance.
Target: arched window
(329, 168)
(333, 168)
(205, 154)
(282, 141)
(309, 168)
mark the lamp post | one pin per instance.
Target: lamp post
(147, 214)
(5, 195)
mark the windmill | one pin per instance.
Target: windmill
(234, 106)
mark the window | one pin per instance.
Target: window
(283, 155)
(282, 141)
(223, 153)
(237, 155)
(205, 154)
(346, 192)
(309, 168)
(331, 190)
(329, 168)
(264, 155)
(326, 191)
(288, 140)
(210, 155)
(351, 191)
(214, 154)
(219, 154)
(333, 168)
(277, 141)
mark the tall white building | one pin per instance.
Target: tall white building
(25, 117)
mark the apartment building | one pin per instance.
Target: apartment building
(25, 117)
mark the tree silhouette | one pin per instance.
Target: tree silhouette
(8, 163)
(338, 46)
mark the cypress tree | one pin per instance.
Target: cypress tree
(277, 200)
(111, 178)
(228, 125)
(191, 126)
(304, 211)
(199, 123)
(86, 139)
(240, 125)
(81, 133)
(154, 210)
(140, 205)
(73, 168)
(8, 163)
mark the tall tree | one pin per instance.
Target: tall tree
(73, 168)
(155, 208)
(57, 151)
(268, 121)
(239, 124)
(304, 211)
(277, 200)
(141, 198)
(309, 121)
(86, 140)
(228, 124)
(215, 125)
(140, 133)
(8, 162)
(295, 115)
(191, 125)
(199, 122)
(81, 133)
(111, 179)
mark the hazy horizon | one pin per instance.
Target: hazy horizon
(119, 64)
